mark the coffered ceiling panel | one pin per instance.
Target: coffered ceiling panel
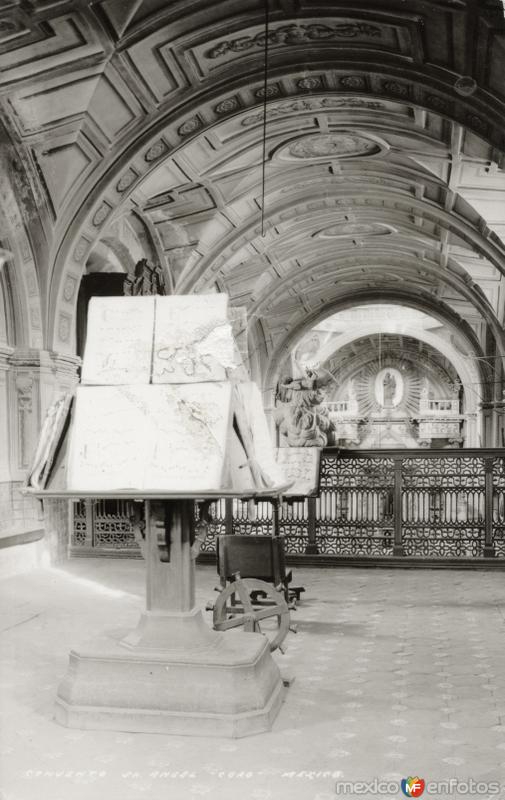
(369, 160)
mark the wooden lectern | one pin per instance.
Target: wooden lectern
(165, 415)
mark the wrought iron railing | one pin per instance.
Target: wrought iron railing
(420, 504)
(102, 526)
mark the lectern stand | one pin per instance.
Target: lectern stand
(164, 406)
(173, 673)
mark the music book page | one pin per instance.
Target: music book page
(193, 339)
(300, 465)
(168, 438)
(49, 441)
(255, 430)
(119, 341)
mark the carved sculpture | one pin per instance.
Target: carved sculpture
(147, 280)
(299, 414)
(389, 389)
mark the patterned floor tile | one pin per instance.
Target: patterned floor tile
(397, 672)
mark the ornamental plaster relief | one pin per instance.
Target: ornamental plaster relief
(341, 145)
(132, 122)
(21, 268)
(24, 384)
(298, 33)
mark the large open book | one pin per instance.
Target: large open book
(174, 339)
(181, 437)
(119, 341)
(149, 437)
(52, 435)
(163, 405)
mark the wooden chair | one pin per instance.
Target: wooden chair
(260, 557)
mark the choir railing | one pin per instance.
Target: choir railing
(424, 504)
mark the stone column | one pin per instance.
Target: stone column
(471, 433)
(32, 380)
(58, 374)
(490, 415)
(5, 443)
(23, 423)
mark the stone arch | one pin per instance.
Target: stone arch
(329, 294)
(447, 316)
(469, 374)
(104, 199)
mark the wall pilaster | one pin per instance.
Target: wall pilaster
(30, 380)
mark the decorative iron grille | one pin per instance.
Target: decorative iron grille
(103, 526)
(80, 525)
(499, 506)
(445, 504)
(354, 510)
(112, 528)
(294, 525)
(217, 526)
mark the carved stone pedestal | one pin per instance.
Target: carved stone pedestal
(230, 687)
(172, 674)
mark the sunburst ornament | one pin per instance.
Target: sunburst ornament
(371, 388)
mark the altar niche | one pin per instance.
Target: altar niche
(389, 387)
(181, 422)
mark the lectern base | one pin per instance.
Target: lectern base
(229, 687)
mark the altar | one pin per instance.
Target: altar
(392, 410)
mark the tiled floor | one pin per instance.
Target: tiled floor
(397, 673)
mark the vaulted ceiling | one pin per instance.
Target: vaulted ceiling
(371, 337)
(380, 178)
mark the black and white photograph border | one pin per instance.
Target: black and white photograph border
(252, 395)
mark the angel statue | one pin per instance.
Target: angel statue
(299, 412)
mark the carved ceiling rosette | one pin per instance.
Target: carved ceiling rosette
(338, 145)
(350, 229)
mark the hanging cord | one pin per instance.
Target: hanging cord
(265, 86)
(380, 367)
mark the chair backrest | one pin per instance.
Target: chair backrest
(253, 556)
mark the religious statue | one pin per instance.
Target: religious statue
(389, 388)
(300, 415)
(147, 280)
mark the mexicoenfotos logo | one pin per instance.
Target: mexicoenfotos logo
(412, 787)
